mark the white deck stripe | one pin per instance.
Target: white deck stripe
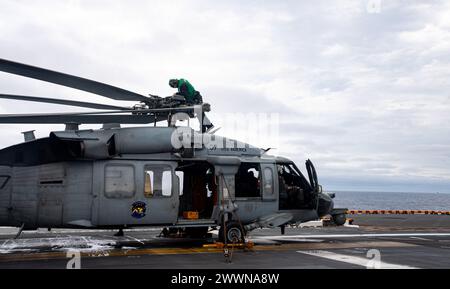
(365, 262)
(419, 238)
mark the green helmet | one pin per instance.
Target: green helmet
(173, 83)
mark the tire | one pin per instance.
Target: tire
(340, 219)
(235, 234)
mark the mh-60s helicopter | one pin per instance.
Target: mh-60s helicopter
(117, 177)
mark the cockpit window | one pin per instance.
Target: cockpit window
(294, 170)
(295, 191)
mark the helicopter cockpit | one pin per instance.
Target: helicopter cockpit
(295, 191)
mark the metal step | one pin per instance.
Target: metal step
(195, 223)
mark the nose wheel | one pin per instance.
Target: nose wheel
(339, 219)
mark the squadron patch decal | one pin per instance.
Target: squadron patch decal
(138, 210)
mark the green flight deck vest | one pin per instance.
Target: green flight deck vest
(186, 89)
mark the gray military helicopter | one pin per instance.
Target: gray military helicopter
(167, 176)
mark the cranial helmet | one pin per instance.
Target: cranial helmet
(173, 83)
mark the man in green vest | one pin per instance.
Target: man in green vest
(192, 97)
(187, 90)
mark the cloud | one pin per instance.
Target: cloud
(364, 95)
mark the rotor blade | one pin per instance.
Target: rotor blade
(145, 112)
(70, 81)
(141, 116)
(62, 101)
(81, 119)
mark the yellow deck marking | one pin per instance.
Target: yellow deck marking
(179, 251)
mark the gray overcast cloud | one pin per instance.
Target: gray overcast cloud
(362, 91)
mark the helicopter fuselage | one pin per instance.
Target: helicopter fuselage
(126, 177)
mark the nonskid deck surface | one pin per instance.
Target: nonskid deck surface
(401, 241)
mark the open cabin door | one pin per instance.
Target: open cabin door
(312, 175)
(317, 188)
(198, 187)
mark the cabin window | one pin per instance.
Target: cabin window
(180, 175)
(268, 181)
(119, 181)
(247, 181)
(158, 182)
(3, 181)
(148, 186)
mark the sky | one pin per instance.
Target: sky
(362, 88)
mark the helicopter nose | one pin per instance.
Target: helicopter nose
(326, 205)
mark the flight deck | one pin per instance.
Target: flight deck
(398, 241)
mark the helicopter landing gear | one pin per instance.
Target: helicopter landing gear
(234, 233)
(120, 233)
(339, 219)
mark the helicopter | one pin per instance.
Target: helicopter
(167, 176)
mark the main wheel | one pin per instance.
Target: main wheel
(234, 233)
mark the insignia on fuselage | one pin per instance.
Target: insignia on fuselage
(138, 209)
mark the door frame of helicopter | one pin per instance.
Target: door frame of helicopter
(249, 206)
(248, 209)
(241, 208)
(264, 210)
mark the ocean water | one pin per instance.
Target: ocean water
(392, 201)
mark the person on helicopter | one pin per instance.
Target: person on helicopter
(192, 97)
(186, 89)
